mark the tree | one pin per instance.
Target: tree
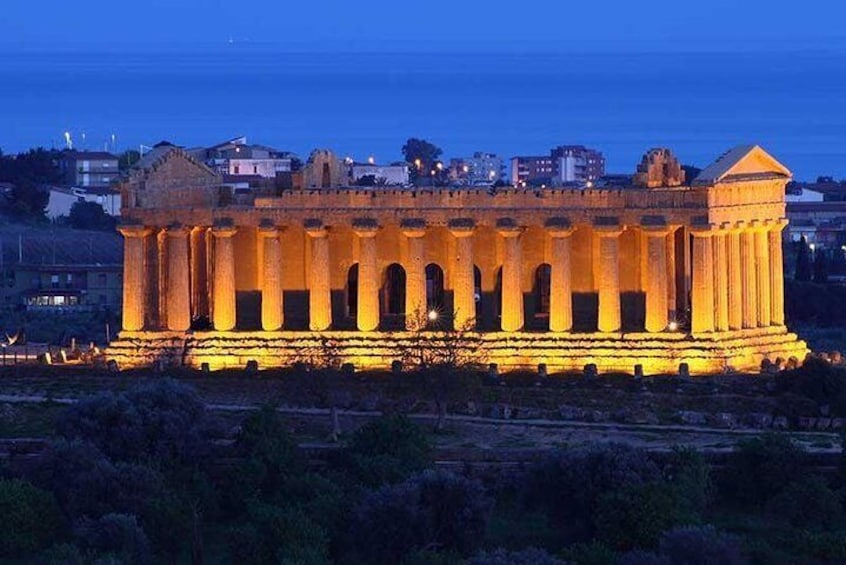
(29, 174)
(422, 156)
(90, 216)
(127, 159)
(820, 267)
(803, 261)
(30, 517)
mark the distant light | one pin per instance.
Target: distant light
(433, 315)
(439, 166)
(417, 163)
(589, 184)
(812, 246)
(466, 169)
(673, 326)
(371, 160)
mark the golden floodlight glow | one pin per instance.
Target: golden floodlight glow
(673, 326)
(433, 315)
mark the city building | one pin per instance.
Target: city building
(61, 270)
(237, 157)
(482, 169)
(565, 164)
(89, 169)
(663, 271)
(62, 199)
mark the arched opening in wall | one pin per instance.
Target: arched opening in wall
(352, 291)
(435, 289)
(326, 177)
(542, 292)
(392, 297)
(477, 293)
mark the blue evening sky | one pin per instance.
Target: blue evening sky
(377, 25)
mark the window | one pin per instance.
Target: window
(54, 281)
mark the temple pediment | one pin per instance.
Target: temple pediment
(745, 162)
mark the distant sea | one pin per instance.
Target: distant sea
(366, 104)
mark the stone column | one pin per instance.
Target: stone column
(367, 316)
(609, 319)
(657, 312)
(735, 280)
(560, 292)
(272, 307)
(464, 294)
(512, 269)
(178, 292)
(134, 277)
(719, 245)
(415, 274)
(672, 299)
(702, 292)
(750, 286)
(223, 287)
(319, 290)
(762, 272)
(777, 273)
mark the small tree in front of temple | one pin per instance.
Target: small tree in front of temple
(803, 261)
(820, 267)
(445, 358)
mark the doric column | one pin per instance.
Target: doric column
(735, 280)
(560, 292)
(609, 230)
(762, 272)
(777, 273)
(223, 287)
(367, 315)
(178, 292)
(512, 268)
(672, 299)
(134, 276)
(750, 285)
(415, 274)
(463, 291)
(702, 292)
(719, 244)
(272, 307)
(656, 275)
(319, 290)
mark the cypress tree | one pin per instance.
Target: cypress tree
(803, 261)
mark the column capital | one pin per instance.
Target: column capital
(760, 225)
(702, 230)
(462, 227)
(134, 230)
(654, 225)
(559, 227)
(365, 227)
(413, 227)
(270, 231)
(607, 226)
(176, 230)
(223, 227)
(315, 229)
(779, 224)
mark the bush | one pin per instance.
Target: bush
(85, 483)
(270, 534)
(30, 518)
(818, 380)
(635, 517)
(760, 468)
(569, 483)
(640, 557)
(689, 473)
(162, 424)
(593, 553)
(387, 450)
(528, 556)
(807, 503)
(700, 545)
(118, 534)
(434, 509)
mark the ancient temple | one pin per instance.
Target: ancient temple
(662, 271)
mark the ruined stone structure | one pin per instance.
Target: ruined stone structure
(657, 273)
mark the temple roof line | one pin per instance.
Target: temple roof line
(744, 162)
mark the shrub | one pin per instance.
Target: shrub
(760, 468)
(161, 423)
(118, 534)
(635, 517)
(270, 534)
(640, 557)
(568, 483)
(807, 503)
(387, 450)
(30, 518)
(434, 509)
(700, 545)
(827, 547)
(528, 556)
(689, 473)
(593, 553)
(85, 483)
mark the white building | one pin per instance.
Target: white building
(62, 200)
(482, 169)
(395, 174)
(237, 157)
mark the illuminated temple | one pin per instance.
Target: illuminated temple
(658, 271)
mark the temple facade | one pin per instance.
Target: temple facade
(663, 271)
